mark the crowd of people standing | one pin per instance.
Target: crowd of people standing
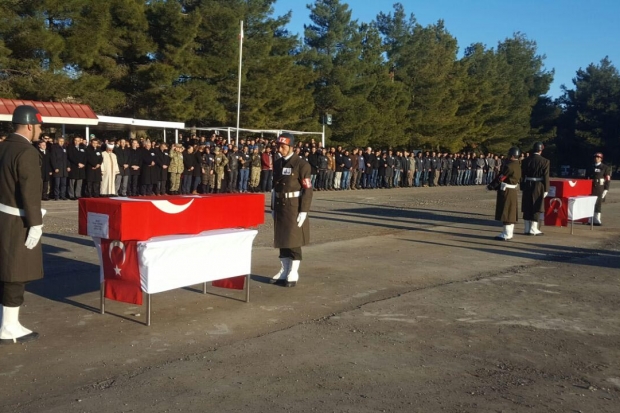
(77, 168)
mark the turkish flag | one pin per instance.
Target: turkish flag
(120, 271)
(234, 283)
(556, 212)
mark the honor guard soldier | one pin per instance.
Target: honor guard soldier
(21, 220)
(535, 186)
(601, 177)
(290, 202)
(506, 208)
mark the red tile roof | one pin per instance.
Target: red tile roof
(52, 112)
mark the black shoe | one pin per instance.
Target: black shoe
(24, 339)
(291, 283)
(597, 225)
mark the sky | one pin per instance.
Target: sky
(570, 33)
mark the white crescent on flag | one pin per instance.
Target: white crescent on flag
(572, 183)
(164, 206)
(556, 200)
(116, 244)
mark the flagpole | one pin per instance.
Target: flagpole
(239, 88)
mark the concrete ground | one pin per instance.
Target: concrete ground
(405, 304)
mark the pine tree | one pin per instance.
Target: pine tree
(523, 74)
(334, 51)
(594, 104)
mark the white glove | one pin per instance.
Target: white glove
(604, 194)
(545, 194)
(301, 218)
(34, 235)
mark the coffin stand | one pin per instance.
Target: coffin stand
(172, 241)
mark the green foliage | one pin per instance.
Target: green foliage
(390, 81)
(591, 117)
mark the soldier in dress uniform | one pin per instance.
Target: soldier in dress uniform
(21, 220)
(290, 202)
(535, 186)
(601, 177)
(506, 208)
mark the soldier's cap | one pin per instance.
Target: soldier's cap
(216, 149)
(598, 155)
(286, 139)
(92, 136)
(26, 115)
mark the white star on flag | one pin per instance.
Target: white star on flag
(117, 271)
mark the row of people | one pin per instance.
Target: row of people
(142, 167)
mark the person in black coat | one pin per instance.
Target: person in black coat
(123, 154)
(189, 165)
(60, 168)
(148, 169)
(313, 160)
(76, 153)
(135, 162)
(197, 172)
(369, 160)
(46, 169)
(162, 161)
(94, 159)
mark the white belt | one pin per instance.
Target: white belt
(601, 181)
(16, 211)
(534, 179)
(503, 186)
(295, 194)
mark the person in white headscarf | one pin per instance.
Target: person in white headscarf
(109, 170)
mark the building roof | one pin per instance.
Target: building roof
(56, 113)
(118, 123)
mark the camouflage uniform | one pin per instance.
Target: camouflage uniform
(219, 168)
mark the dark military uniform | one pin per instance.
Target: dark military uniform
(601, 178)
(507, 209)
(20, 204)
(535, 171)
(292, 195)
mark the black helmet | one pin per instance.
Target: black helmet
(27, 115)
(538, 147)
(514, 152)
(286, 139)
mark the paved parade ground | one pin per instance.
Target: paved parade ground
(405, 304)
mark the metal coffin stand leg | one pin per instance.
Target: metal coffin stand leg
(148, 298)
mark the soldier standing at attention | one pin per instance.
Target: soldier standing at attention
(535, 185)
(21, 220)
(290, 202)
(219, 166)
(506, 208)
(601, 177)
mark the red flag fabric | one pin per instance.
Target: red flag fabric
(121, 271)
(556, 212)
(140, 219)
(234, 283)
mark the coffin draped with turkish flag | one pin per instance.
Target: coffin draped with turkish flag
(556, 202)
(118, 224)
